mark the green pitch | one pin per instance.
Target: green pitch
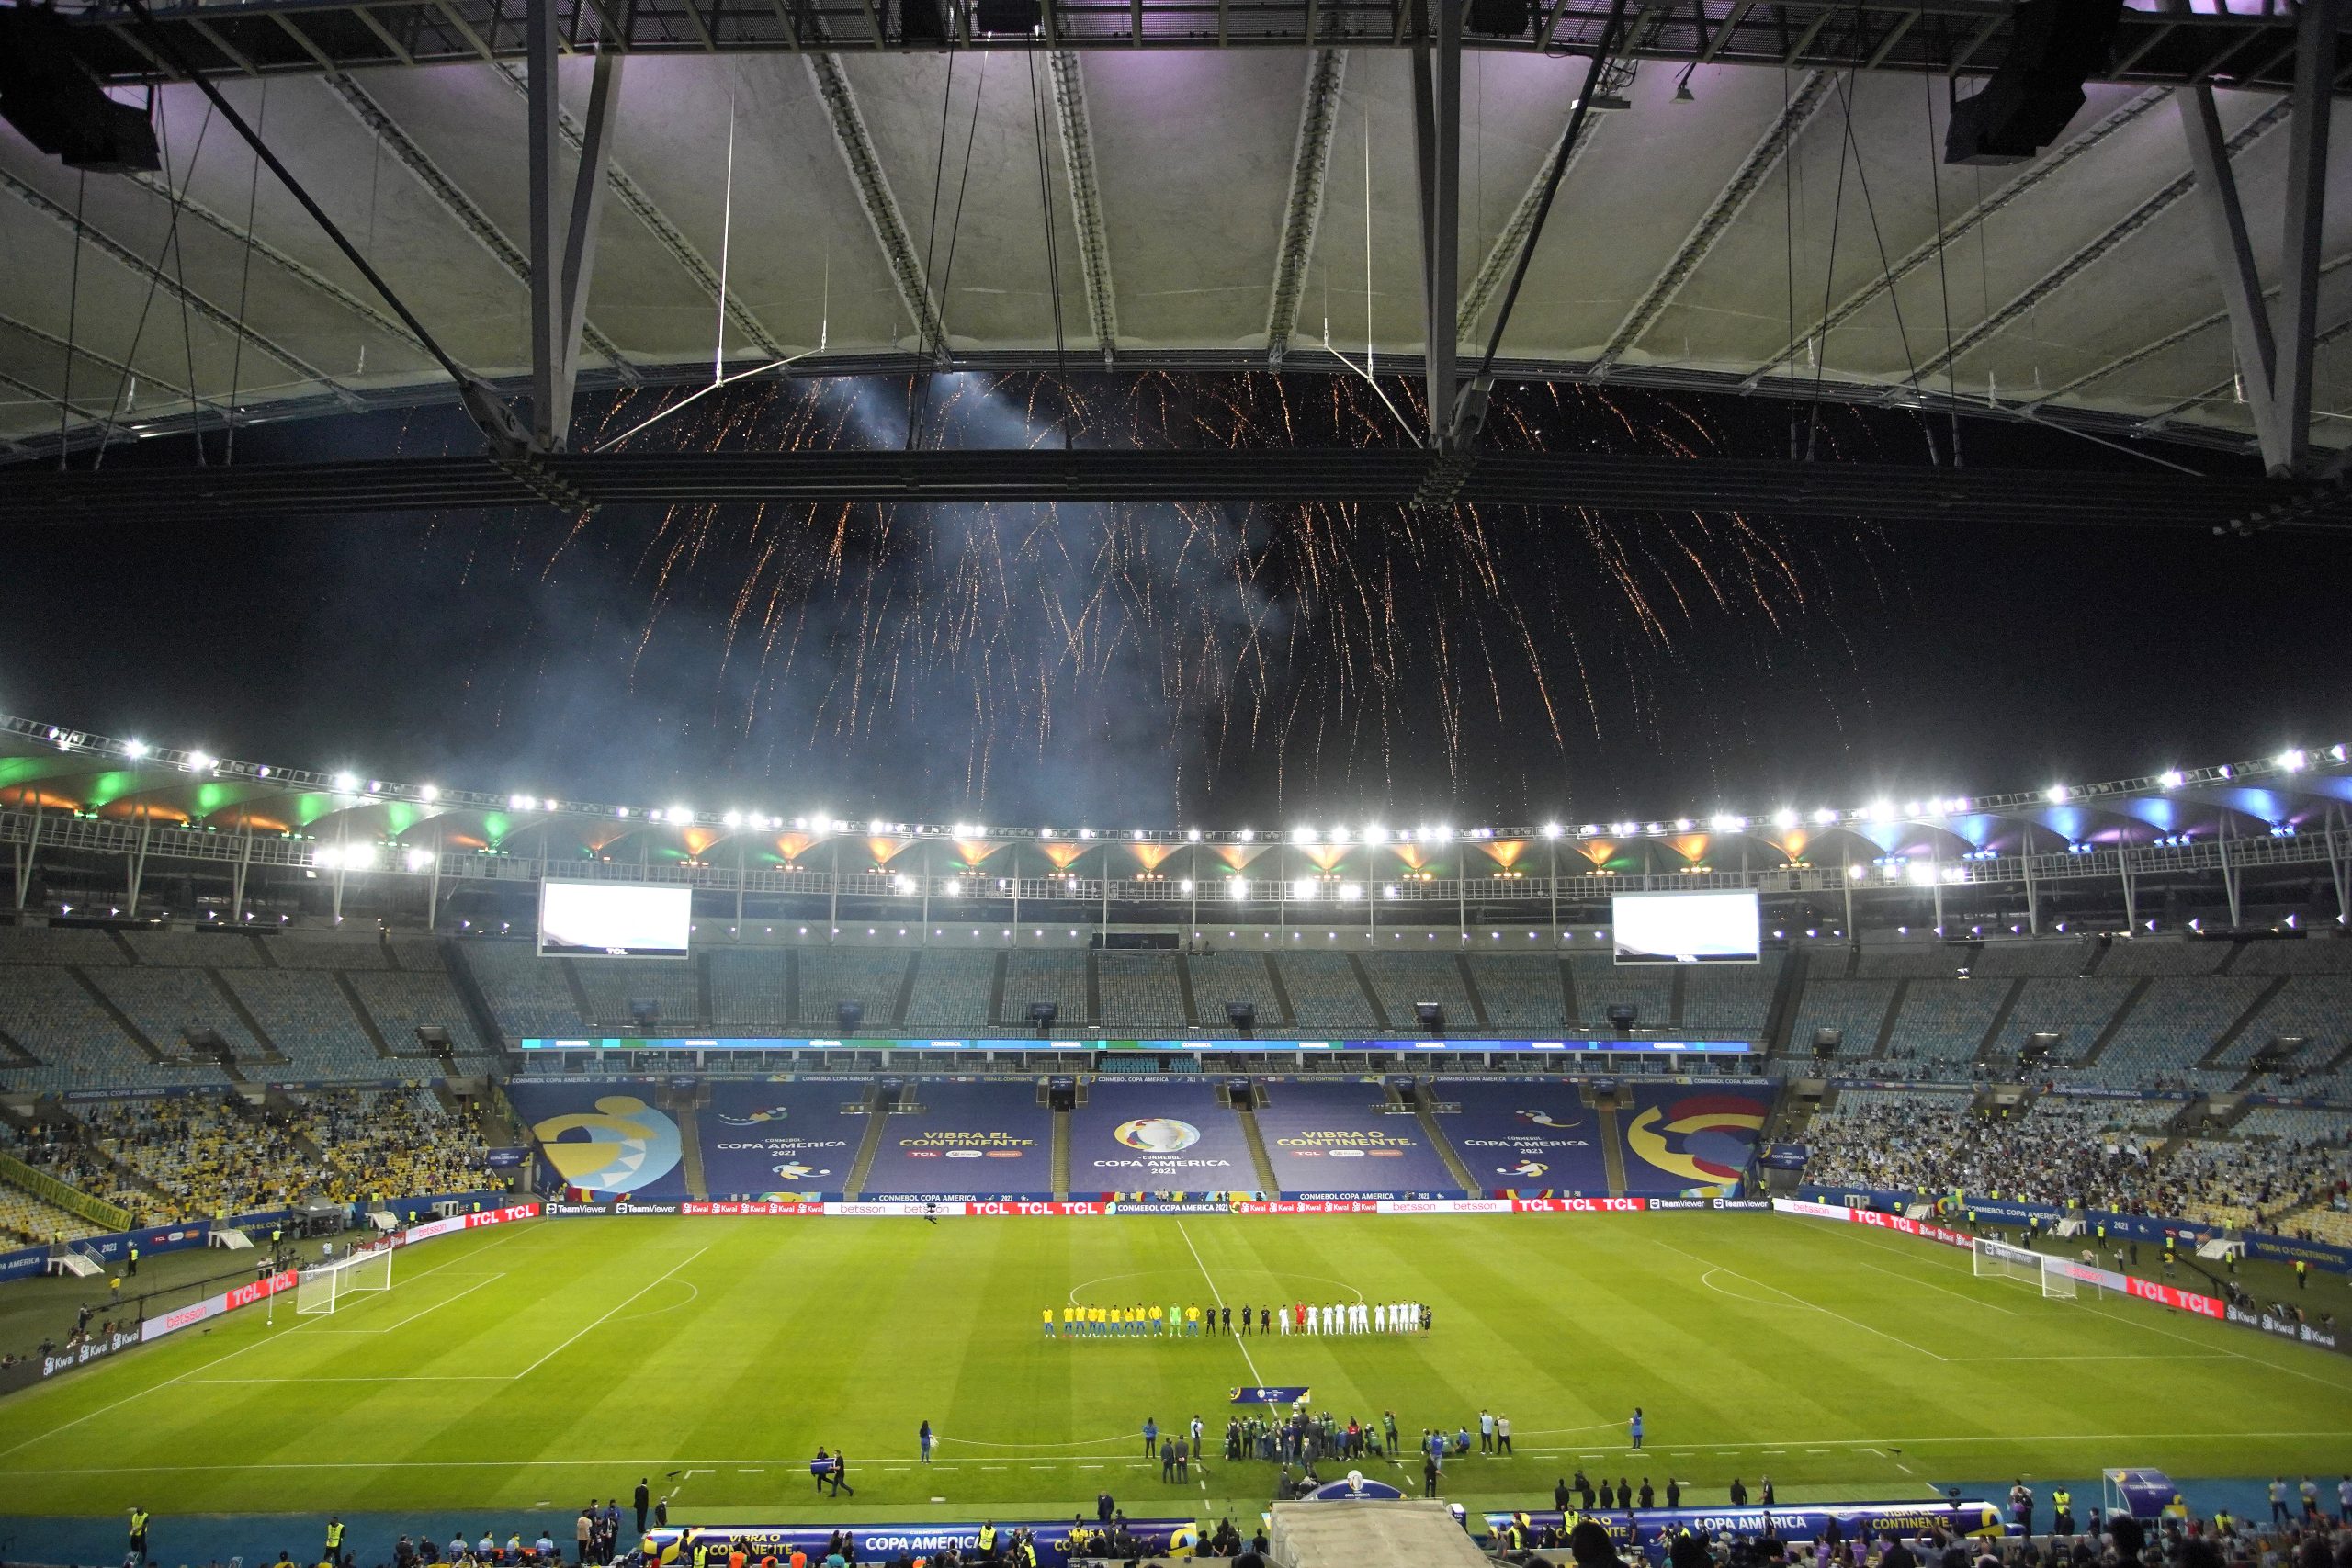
(538, 1363)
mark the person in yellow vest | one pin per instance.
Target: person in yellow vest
(132, 1258)
(2303, 1271)
(2061, 1507)
(988, 1538)
(702, 1554)
(139, 1521)
(334, 1539)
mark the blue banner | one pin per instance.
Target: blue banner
(1677, 1138)
(1337, 1137)
(1859, 1521)
(764, 1140)
(1526, 1138)
(1157, 1135)
(1455, 1044)
(602, 1137)
(1289, 1394)
(968, 1137)
(1353, 1488)
(1052, 1538)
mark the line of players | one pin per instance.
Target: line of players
(1176, 1320)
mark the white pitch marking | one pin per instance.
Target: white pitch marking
(625, 1300)
(1241, 1340)
(1800, 1301)
(1930, 1284)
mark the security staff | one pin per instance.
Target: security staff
(335, 1538)
(988, 1539)
(2302, 1270)
(133, 1257)
(139, 1534)
(702, 1554)
(2062, 1504)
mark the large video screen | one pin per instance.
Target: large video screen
(1686, 928)
(617, 920)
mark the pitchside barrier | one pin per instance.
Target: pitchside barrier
(1164, 1537)
(1002, 1207)
(2076, 1271)
(1639, 1528)
(36, 1369)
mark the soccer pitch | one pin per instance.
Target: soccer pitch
(522, 1365)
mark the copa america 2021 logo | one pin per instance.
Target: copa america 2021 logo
(1157, 1134)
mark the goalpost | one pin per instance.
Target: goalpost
(322, 1287)
(2001, 1260)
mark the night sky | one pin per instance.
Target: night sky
(1159, 665)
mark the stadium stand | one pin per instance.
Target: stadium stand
(2128, 959)
(400, 1002)
(2075, 1010)
(831, 975)
(310, 951)
(196, 950)
(526, 994)
(1857, 1008)
(1055, 975)
(1324, 991)
(1733, 1000)
(612, 985)
(161, 1003)
(1940, 1024)
(1521, 990)
(2026, 959)
(56, 1144)
(951, 991)
(26, 1220)
(60, 945)
(748, 992)
(1401, 979)
(306, 1016)
(1601, 984)
(1222, 977)
(2172, 1024)
(1141, 990)
(77, 1042)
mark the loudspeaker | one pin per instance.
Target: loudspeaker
(1623, 1014)
(1498, 19)
(2054, 45)
(56, 105)
(1011, 16)
(1826, 1041)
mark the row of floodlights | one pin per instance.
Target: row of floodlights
(2294, 760)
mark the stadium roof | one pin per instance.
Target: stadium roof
(844, 203)
(2305, 790)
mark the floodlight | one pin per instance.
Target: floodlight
(134, 749)
(2293, 760)
(2171, 778)
(1551, 829)
(428, 792)
(346, 782)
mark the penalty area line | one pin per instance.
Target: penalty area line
(609, 1310)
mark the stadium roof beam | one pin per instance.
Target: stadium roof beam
(170, 284)
(1310, 168)
(1623, 485)
(2242, 295)
(1935, 36)
(2074, 266)
(460, 205)
(1768, 154)
(2316, 41)
(1437, 172)
(1512, 237)
(642, 207)
(2042, 170)
(562, 270)
(1085, 199)
(882, 214)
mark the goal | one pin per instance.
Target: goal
(324, 1286)
(2001, 1260)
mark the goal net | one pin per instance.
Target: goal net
(2001, 1260)
(325, 1286)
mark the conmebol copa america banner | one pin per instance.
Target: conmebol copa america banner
(1645, 1526)
(1162, 1538)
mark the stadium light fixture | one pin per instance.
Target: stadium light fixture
(1138, 835)
(2056, 794)
(198, 763)
(519, 802)
(1374, 834)
(1192, 835)
(1351, 891)
(1338, 835)
(1246, 836)
(733, 819)
(1045, 832)
(2171, 778)
(1551, 829)
(346, 782)
(1186, 886)
(134, 749)
(1302, 836)
(1784, 818)
(1303, 890)
(428, 792)
(1235, 888)
(1825, 817)
(2293, 760)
